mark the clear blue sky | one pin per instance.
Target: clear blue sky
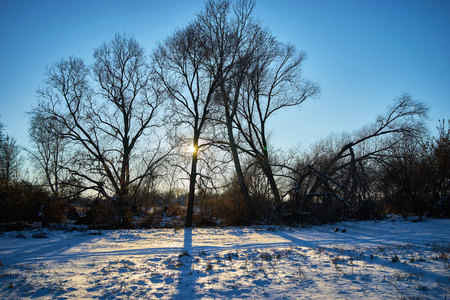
(362, 53)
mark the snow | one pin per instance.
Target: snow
(384, 259)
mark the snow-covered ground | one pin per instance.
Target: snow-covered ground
(389, 259)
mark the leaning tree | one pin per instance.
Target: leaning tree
(273, 82)
(341, 174)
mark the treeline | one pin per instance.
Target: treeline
(181, 137)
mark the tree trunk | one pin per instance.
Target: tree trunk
(124, 200)
(266, 168)
(192, 181)
(328, 167)
(237, 164)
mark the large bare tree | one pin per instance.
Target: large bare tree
(105, 122)
(225, 59)
(273, 82)
(233, 34)
(180, 67)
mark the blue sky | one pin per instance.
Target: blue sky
(362, 53)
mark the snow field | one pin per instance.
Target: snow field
(389, 259)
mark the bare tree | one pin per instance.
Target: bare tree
(403, 119)
(10, 160)
(441, 167)
(105, 123)
(180, 67)
(233, 35)
(2, 126)
(48, 150)
(338, 169)
(251, 68)
(273, 82)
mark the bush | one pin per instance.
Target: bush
(24, 202)
(101, 214)
(229, 209)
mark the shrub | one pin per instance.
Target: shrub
(23, 202)
(101, 214)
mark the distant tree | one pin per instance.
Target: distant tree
(441, 152)
(2, 126)
(49, 150)
(404, 178)
(10, 159)
(441, 170)
(104, 124)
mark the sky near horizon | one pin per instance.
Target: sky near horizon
(362, 53)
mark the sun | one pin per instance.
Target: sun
(192, 149)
